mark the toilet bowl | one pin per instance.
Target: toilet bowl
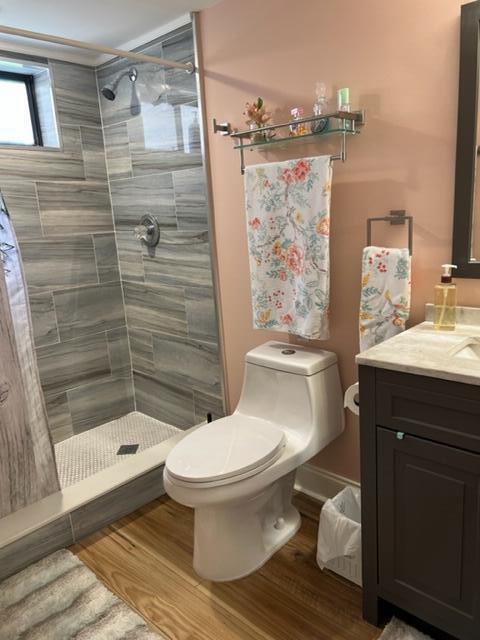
(238, 472)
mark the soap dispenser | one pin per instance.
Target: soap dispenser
(445, 301)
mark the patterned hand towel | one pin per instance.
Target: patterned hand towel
(288, 215)
(385, 300)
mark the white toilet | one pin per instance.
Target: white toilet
(238, 472)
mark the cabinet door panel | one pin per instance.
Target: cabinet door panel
(428, 530)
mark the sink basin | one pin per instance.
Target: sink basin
(468, 349)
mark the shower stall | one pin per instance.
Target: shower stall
(115, 236)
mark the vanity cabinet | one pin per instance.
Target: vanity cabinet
(420, 452)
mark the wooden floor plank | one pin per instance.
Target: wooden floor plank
(172, 605)
(146, 558)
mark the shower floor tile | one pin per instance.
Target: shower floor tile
(92, 451)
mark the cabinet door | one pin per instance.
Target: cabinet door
(428, 531)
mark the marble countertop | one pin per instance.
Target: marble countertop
(424, 351)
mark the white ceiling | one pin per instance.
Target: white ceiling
(114, 23)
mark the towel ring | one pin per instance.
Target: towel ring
(396, 216)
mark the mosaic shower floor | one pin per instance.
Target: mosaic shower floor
(92, 451)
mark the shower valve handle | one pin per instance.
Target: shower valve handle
(142, 232)
(148, 231)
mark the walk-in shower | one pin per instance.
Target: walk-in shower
(125, 329)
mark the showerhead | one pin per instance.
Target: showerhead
(109, 91)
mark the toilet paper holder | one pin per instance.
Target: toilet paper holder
(351, 399)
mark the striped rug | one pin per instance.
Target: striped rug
(397, 630)
(59, 598)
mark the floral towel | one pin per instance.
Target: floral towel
(385, 301)
(288, 216)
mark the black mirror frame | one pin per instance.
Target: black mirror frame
(466, 142)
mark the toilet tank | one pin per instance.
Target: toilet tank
(297, 388)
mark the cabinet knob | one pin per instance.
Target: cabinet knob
(400, 435)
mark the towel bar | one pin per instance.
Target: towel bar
(397, 216)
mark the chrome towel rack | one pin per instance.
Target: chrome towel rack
(395, 217)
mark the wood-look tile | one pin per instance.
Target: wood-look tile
(59, 417)
(117, 503)
(21, 200)
(161, 139)
(74, 207)
(191, 199)
(66, 365)
(206, 403)
(76, 94)
(106, 257)
(181, 258)
(98, 402)
(163, 400)
(201, 313)
(93, 153)
(44, 320)
(35, 545)
(117, 149)
(59, 263)
(46, 164)
(119, 352)
(159, 308)
(88, 310)
(129, 256)
(133, 198)
(187, 362)
(141, 346)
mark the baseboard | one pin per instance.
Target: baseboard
(319, 483)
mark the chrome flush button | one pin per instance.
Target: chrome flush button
(288, 352)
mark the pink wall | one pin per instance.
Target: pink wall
(400, 60)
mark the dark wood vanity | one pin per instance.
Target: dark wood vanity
(420, 454)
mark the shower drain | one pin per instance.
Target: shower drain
(127, 449)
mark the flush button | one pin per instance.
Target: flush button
(288, 352)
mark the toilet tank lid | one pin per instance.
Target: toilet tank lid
(304, 361)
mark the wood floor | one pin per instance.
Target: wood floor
(146, 558)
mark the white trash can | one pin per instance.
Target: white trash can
(340, 535)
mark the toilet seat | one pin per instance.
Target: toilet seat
(226, 450)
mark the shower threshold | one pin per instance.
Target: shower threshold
(98, 487)
(89, 452)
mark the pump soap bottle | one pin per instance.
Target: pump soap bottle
(445, 301)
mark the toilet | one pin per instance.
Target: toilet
(238, 472)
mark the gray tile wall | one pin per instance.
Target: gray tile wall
(89, 279)
(154, 165)
(60, 205)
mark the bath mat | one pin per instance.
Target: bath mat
(398, 630)
(59, 598)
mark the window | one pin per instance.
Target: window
(19, 122)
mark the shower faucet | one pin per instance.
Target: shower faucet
(148, 231)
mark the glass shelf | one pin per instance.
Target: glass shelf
(344, 124)
(286, 140)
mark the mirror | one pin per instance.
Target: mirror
(466, 230)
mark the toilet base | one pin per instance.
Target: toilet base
(234, 540)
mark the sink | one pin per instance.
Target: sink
(468, 349)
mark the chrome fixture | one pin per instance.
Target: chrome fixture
(109, 91)
(148, 231)
(395, 217)
(348, 124)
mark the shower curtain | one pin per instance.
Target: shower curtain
(27, 461)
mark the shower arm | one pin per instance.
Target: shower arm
(189, 67)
